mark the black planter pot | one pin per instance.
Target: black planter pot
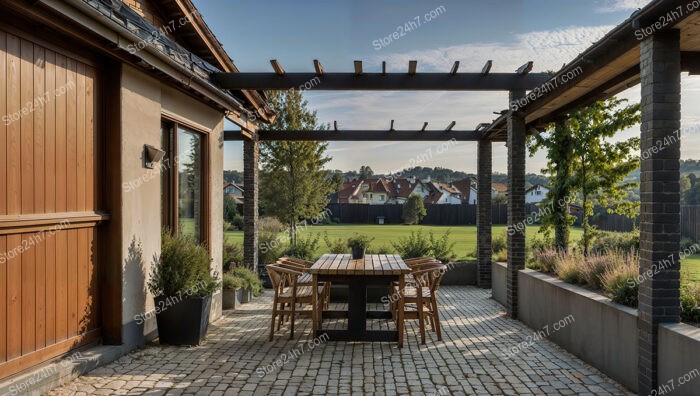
(358, 252)
(182, 320)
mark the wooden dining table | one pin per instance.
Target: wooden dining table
(373, 269)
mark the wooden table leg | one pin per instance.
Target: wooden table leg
(315, 314)
(399, 323)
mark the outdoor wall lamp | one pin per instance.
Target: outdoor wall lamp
(151, 155)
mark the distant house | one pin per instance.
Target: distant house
(468, 188)
(234, 190)
(382, 191)
(536, 193)
(499, 188)
(443, 194)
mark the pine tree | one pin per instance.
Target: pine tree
(413, 209)
(293, 183)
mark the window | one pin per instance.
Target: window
(381, 197)
(182, 187)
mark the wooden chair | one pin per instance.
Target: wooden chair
(419, 260)
(294, 260)
(423, 294)
(289, 292)
(305, 279)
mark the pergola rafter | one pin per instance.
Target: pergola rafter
(359, 79)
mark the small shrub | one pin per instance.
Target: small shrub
(335, 246)
(232, 255)
(249, 279)
(567, 268)
(183, 266)
(690, 303)
(501, 256)
(615, 241)
(359, 240)
(227, 226)
(336, 220)
(382, 250)
(232, 282)
(305, 247)
(620, 282)
(499, 243)
(237, 222)
(687, 244)
(269, 247)
(414, 245)
(545, 260)
(270, 224)
(441, 248)
(595, 265)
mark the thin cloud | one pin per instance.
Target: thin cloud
(620, 5)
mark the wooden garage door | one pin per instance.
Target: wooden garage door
(48, 216)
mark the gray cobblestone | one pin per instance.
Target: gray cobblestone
(468, 362)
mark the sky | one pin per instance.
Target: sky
(509, 32)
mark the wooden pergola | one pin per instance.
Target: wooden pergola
(620, 60)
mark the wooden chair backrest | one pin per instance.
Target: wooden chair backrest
(295, 260)
(282, 277)
(429, 275)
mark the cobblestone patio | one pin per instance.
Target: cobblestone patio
(237, 359)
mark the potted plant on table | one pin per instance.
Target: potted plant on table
(233, 291)
(182, 285)
(359, 243)
(252, 286)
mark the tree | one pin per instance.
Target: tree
(592, 165)
(366, 172)
(336, 180)
(293, 183)
(413, 209)
(560, 156)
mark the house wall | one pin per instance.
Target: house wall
(533, 197)
(144, 100)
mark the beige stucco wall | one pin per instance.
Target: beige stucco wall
(144, 100)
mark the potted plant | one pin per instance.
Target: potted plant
(359, 243)
(233, 291)
(252, 286)
(182, 285)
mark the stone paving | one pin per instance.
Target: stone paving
(237, 359)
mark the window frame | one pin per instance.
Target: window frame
(169, 211)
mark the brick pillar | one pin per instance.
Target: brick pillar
(484, 213)
(659, 264)
(516, 203)
(250, 203)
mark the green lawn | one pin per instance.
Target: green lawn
(464, 236)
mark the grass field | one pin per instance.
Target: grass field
(463, 236)
(384, 235)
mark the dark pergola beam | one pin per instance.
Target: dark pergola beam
(391, 127)
(383, 82)
(425, 125)
(358, 135)
(452, 125)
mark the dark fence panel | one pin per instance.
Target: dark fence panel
(690, 228)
